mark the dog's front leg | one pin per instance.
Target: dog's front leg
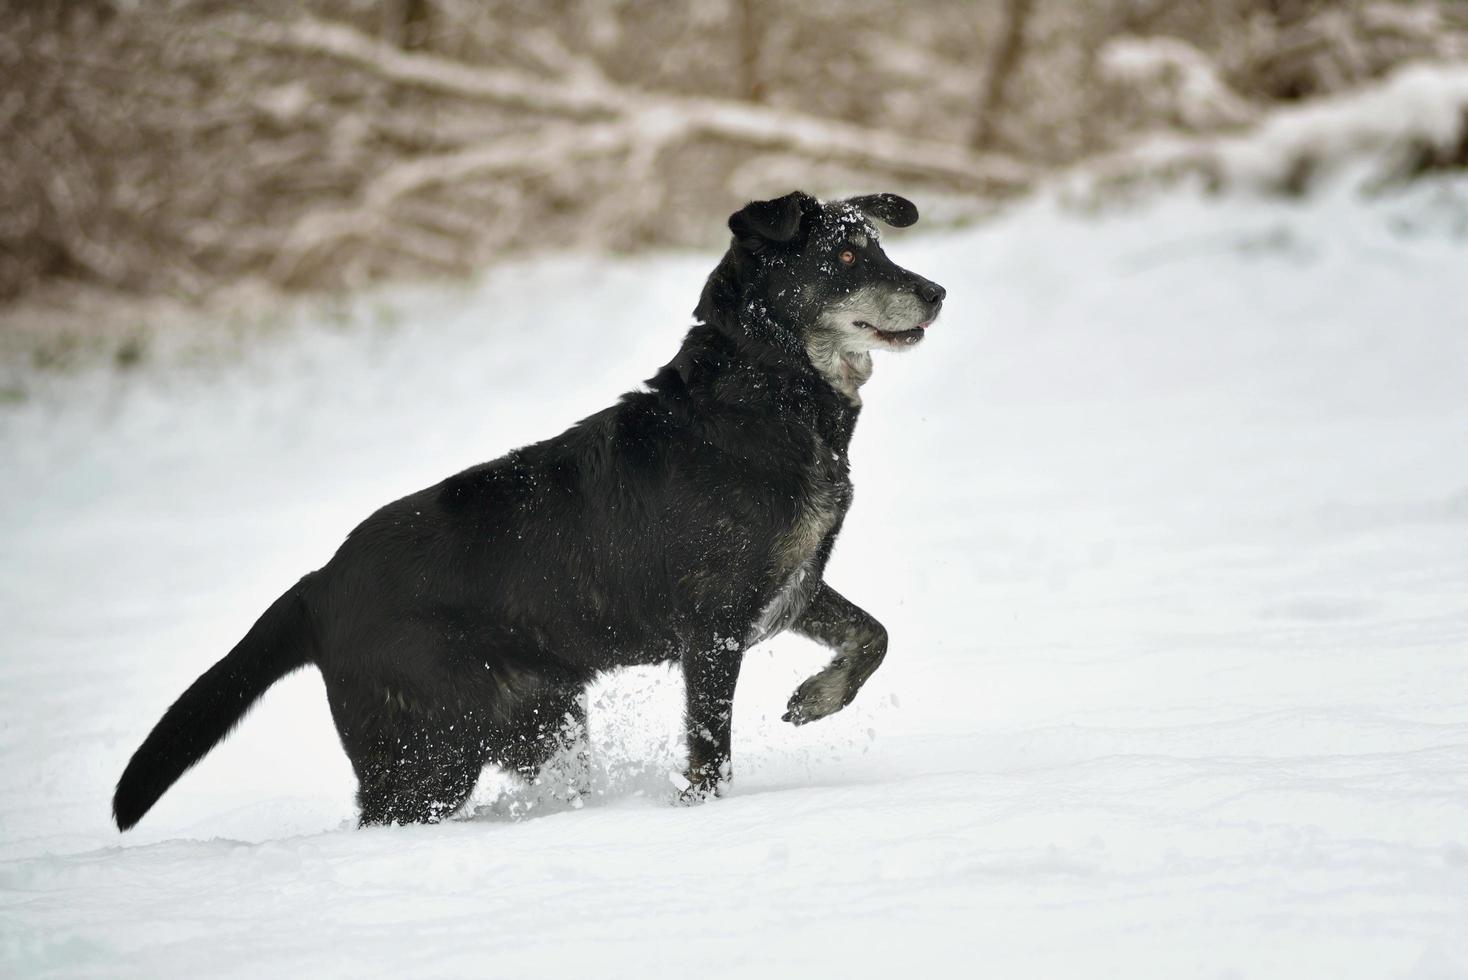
(710, 676)
(860, 643)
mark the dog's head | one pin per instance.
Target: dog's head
(817, 271)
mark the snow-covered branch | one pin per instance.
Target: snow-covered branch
(587, 93)
(318, 231)
(1418, 113)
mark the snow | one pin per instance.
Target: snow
(1422, 103)
(1167, 519)
(1171, 72)
(1383, 125)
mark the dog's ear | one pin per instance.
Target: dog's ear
(776, 220)
(896, 211)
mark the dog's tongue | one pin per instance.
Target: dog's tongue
(925, 324)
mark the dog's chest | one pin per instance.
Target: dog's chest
(826, 493)
(822, 504)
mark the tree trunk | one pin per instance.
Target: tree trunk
(751, 36)
(1005, 63)
(407, 24)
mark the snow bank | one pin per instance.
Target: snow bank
(1388, 124)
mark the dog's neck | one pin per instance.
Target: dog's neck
(715, 367)
(840, 364)
(739, 311)
(844, 370)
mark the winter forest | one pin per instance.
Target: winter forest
(1166, 518)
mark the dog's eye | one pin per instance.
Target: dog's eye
(848, 256)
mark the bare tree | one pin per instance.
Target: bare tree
(407, 23)
(751, 35)
(1004, 64)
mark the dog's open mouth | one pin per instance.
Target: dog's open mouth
(897, 337)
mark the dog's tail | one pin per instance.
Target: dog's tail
(279, 642)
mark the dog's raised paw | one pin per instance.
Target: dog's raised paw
(818, 696)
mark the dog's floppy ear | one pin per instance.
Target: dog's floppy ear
(777, 220)
(896, 211)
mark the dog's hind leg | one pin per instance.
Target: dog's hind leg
(416, 769)
(860, 643)
(547, 742)
(416, 757)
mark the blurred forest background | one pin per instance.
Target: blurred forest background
(178, 148)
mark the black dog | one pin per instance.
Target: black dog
(460, 625)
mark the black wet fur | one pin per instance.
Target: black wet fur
(458, 626)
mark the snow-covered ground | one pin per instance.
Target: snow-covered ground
(1168, 522)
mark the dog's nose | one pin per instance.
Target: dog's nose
(931, 292)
